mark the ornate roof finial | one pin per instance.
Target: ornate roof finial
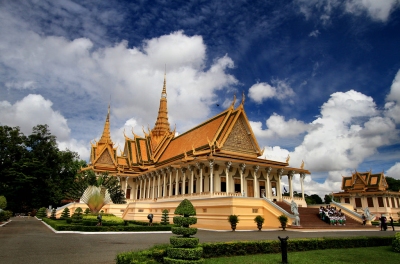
(243, 97)
(164, 90)
(234, 101)
(162, 125)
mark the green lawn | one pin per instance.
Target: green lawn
(332, 256)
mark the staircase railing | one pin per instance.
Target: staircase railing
(283, 211)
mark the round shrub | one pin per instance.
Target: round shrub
(396, 243)
(185, 253)
(184, 242)
(41, 213)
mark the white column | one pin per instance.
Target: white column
(211, 164)
(170, 181)
(184, 180)
(268, 188)
(164, 171)
(242, 167)
(302, 176)
(153, 179)
(176, 182)
(149, 187)
(228, 177)
(144, 187)
(158, 183)
(255, 182)
(290, 180)
(191, 168)
(279, 188)
(200, 167)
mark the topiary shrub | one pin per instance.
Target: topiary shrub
(87, 211)
(185, 248)
(77, 216)
(53, 214)
(165, 217)
(41, 213)
(65, 214)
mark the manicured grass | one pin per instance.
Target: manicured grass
(332, 256)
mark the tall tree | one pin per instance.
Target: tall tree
(394, 185)
(33, 171)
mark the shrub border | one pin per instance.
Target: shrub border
(241, 248)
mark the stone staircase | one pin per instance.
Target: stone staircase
(309, 218)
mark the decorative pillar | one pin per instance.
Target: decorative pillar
(211, 163)
(200, 167)
(176, 182)
(143, 193)
(290, 180)
(242, 167)
(302, 177)
(164, 172)
(169, 169)
(191, 168)
(149, 187)
(268, 189)
(183, 180)
(227, 167)
(279, 188)
(255, 182)
(158, 183)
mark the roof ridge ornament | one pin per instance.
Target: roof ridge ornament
(233, 102)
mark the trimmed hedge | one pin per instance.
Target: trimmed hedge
(240, 248)
(61, 225)
(184, 231)
(185, 253)
(184, 242)
(396, 243)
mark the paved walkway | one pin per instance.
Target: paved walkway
(27, 240)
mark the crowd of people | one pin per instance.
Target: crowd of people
(331, 215)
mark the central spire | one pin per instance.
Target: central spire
(162, 125)
(105, 137)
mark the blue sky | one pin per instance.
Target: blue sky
(321, 77)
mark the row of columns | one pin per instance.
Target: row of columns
(149, 189)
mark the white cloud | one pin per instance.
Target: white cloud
(349, 130)
(377, 9)
(314, 33)
(394, 171)
(260, 92)
(31, 111)
(277, 127)
(392, 106)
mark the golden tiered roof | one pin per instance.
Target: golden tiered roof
(364, 182)
(226, 137)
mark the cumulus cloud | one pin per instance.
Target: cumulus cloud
(392, 106)
(314, 33)
(31, 111)
(277, 127)
(260, 92)
(394, 171)
(349, 130)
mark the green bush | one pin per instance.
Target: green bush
(184, 231)
(41, 213)
(185, 221)
(185, 253)
(241, 248)
(396, 243)
(189, 242)
(87, 211)
(165, 217)
(5, 215)
(3, 202)
(65, 214)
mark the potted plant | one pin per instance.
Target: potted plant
(233, 219)
(260, 221)
(283, 220)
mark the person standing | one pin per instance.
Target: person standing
(391, 222)
(364, 219)
(99, 219)
(150, 217)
